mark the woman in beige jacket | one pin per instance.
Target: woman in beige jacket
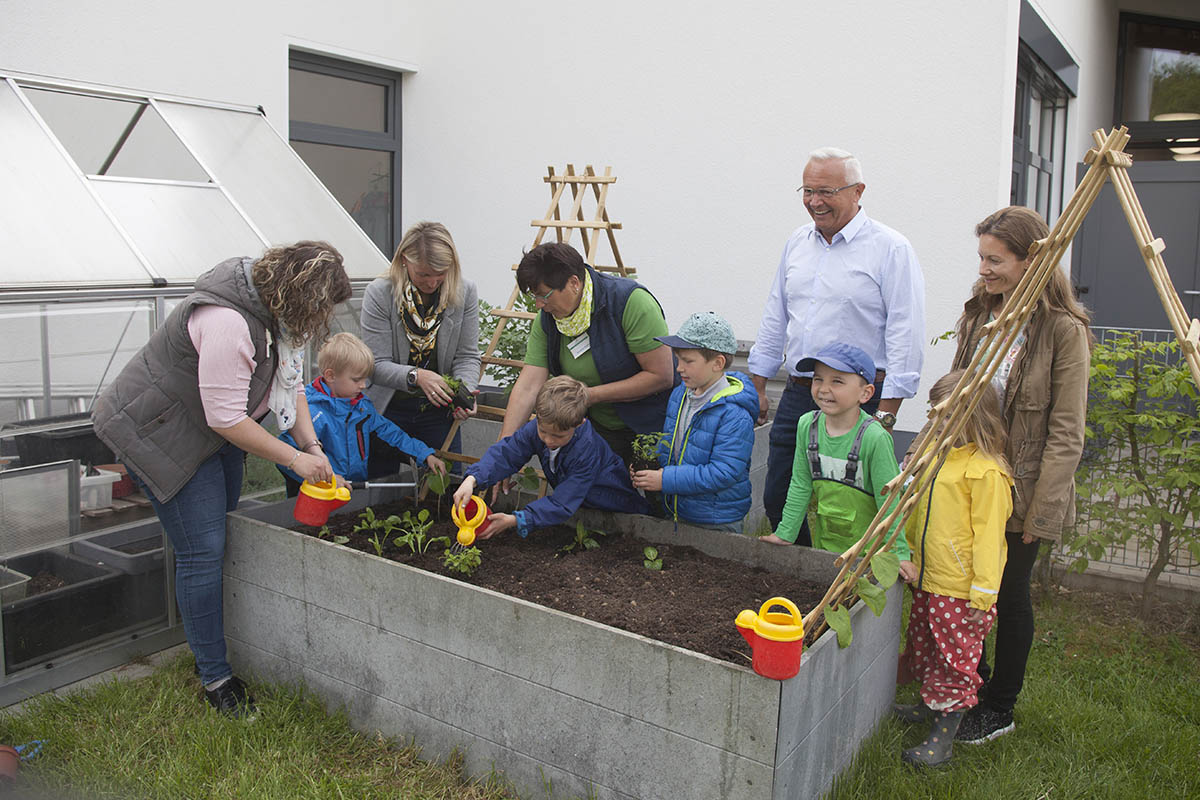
(1044, 381)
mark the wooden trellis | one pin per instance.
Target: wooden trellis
(1108, 162)
(564, 225)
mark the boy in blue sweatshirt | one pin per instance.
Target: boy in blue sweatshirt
(581, 467)
(344, 418)
(705, 455)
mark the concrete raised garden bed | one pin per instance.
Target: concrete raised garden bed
(560, 705)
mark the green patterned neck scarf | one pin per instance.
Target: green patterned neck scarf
(581, 318)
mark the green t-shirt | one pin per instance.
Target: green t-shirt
(642, 322)
(876, 466)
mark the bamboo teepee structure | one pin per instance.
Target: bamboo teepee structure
(1108, 162)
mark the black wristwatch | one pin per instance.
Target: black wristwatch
(411, 378)
(886, 418)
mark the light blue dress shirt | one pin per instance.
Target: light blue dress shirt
(864, 288)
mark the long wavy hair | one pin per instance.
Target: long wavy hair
(300, 284)
(985, 427)
(1018, 228)
(428, 244)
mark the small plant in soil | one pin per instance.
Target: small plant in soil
(438, 483)
(465, 562)
(324, 532)
(651, 558)
(645, 450)
(460, 395)
(416, 533)
(584, 539)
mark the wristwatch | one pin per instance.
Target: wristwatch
(411, 378)
(886, 418)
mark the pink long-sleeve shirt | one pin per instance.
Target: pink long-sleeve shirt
(222, 339)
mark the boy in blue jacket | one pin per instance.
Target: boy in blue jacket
(705, 479)
(581, 467)
(344, 418)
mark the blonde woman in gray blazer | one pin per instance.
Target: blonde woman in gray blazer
(421, 321)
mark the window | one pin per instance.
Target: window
(345, 124)
(1158, 86)
(1039, 136)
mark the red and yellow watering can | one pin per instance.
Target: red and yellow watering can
(317, 501)
(471, 519)
(776, 639)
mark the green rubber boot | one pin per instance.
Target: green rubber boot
(938, 747)
(917, 712)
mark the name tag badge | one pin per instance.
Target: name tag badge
(579, 345)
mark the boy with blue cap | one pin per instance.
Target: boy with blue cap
(709, 427)
(843, 457)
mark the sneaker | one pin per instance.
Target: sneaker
(983, 724)
(232, 699)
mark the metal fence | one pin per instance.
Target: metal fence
(1104, 457)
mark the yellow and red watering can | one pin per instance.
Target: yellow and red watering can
(776, 638)
(470, 519)
(317, 501)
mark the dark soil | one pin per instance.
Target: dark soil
(43, 582)
(140, 546)
(690, 603)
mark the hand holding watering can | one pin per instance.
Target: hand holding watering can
(468, 505)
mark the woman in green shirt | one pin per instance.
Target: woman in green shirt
(599, 329)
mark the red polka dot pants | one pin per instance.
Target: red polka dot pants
(943, 650)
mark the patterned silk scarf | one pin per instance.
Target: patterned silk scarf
(581, 319)
(421, 323)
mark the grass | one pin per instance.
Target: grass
(1110, 709)
(155, 738)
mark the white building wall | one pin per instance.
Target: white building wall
(704, 110)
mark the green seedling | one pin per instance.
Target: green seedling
(645, 450)
(416, 533)
(321, 534)
(465, 562)
(438, 483)
(528, 479)
(584, 539)
(651, 558)
(377, 541)
(341, 539)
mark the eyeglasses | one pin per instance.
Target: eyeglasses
(824, 194)
(543, 297)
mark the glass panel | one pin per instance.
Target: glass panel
(1162, 72)
(41, 192)
(271, 183)
(331, 100)
(181, 230)
(115, 137)
(361, 180)
(85, 346)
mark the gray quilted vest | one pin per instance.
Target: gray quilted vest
(151, 415)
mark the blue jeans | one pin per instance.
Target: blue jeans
(429, 426)
(194, 520)
(795, 402)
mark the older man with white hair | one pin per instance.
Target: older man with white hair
(843, 278)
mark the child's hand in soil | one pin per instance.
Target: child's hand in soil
(464, 491)
(648, 479)
(497, 523)
(773, 539)
(437, 465)
(908, 571)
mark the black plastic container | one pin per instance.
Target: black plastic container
(76, 440)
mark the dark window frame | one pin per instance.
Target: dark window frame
(389, 141)
(1033, 74)
(1145, 133)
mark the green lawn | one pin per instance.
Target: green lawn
(1111, 709)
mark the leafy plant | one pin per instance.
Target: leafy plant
(340, 539)
(377, 541)
(584, 539)
(645, 449)
(416, 533)
(321, 534)
(367, 521)
(885, 566)
(438, 483)
(651, 559)
(460, 395)
(1142, 479)
(513, 339)
(465, 562)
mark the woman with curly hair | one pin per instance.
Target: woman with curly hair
(421, 321)
(185, 410)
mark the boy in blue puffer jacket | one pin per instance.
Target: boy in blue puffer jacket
(705, 479)
(344, 418)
